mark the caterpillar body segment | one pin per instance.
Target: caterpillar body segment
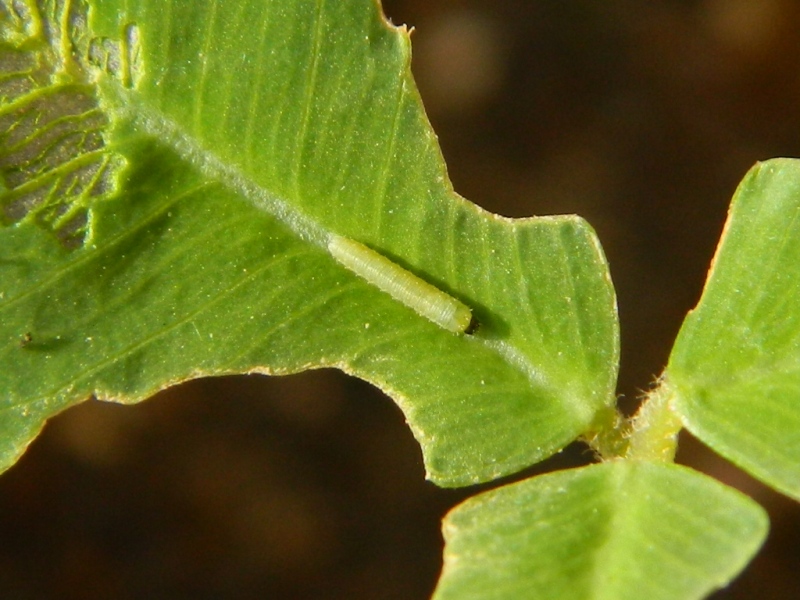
(402, 285)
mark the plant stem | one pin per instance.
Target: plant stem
(651, 434)
(609, 435)
(655, 427)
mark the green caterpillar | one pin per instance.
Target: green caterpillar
(402, 285)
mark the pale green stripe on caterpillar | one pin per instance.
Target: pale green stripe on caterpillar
(402, 285)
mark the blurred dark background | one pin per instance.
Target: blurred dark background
(640, 116)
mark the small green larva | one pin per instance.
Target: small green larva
(405, 287)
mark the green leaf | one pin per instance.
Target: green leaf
(618, 530)
(172, 174)
(735, 369)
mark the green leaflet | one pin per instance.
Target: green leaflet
(735, 368)
(233, 140)
(619, 530)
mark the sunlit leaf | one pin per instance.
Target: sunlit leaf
(172, 173)
(622, 530)
(735, 368)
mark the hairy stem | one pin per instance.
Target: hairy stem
(651, 434)
(655, 427)
(609, 436)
